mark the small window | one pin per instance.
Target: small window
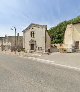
(39, 48)
(32, 34)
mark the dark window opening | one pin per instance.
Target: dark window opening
(32, 34)
(39, 48)
(77, 45)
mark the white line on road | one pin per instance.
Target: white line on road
(66, 66)
(53, 63)
(41, 60)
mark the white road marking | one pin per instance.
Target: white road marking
(66, 66)
(53, 63)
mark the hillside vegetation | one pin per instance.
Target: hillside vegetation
(57, 33)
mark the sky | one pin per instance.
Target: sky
(20, 13)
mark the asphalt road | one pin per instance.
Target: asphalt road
(23, 75)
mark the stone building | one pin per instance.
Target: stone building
(36, 38)
(1, 43)
(8, 43)
(72, 37)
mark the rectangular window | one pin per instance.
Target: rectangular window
(39, 48)
(32, 34)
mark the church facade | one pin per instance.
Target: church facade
(36, 38)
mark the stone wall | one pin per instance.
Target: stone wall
(72, 35)
(8, 42)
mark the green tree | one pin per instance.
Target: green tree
(57, 33)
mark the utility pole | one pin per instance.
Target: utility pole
(15, 37)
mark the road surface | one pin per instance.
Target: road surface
(24, 75)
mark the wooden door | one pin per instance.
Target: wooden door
(77, 45)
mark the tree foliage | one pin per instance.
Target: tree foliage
(57, 33)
